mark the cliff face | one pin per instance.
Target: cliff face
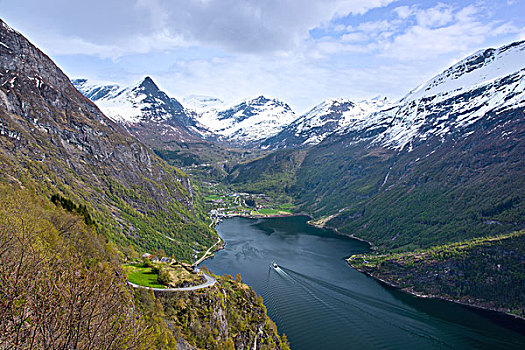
(55, 139)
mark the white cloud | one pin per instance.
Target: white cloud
(374, 27)
(299, 82)
(354, 37)
(404, 11)
(435, 16)
(437, 31)
(232, 25)
(418, 34)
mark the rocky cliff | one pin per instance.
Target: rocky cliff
(55, 139)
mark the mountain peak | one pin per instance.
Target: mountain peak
(477, 69)
(148, 84)
(259, 100)
(79, 81)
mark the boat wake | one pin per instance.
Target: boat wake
(372, 309)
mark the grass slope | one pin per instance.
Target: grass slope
(143, 276)
(272, 174)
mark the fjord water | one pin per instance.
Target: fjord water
(322, 303)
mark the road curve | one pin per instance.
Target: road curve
(205, 256)
(210, 281)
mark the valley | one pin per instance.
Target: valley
(113, 197)
(443, 164)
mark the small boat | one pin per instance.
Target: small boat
(274, 264)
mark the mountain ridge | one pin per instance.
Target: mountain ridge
(327, 117)
(58, 141)
(145, 111)
(418, 173)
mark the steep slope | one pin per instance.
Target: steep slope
(272, 174)
(145, 111)
(56, 140)
(249, 122)
(322, 120)
(484, 272)
(440, 166)
(228, 315)
(490, 81)
(62, 286)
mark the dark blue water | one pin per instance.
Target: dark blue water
(322, 303)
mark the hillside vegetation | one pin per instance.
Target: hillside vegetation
(487, 272)
(461, 187)
(228, 315)
(60, 284)
(55, 140)
(62, 287)
(272, 174)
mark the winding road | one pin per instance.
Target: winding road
(210, 281)
(205, 256)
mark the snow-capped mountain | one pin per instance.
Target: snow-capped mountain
(249, 122)
(202, 104)
(322, 120)
(131, 105)
(489, 81)
(144, 109)
(486, 83)
(446, 162)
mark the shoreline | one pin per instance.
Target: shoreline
(414, 293)
(384, 282)
(223, 245)
(336, 231)
(411, 292)
(264, 216)
(437, 297)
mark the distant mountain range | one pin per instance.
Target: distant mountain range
(488, 82)
(322, 120)
(159, 120)
(448, 157)
(249, 122)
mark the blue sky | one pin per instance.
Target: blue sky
(301, 51)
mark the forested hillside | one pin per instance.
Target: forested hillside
(54, 139)
(466, 185)
(272, 174)
(62, 287)
(486, 272)
(444, 164)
